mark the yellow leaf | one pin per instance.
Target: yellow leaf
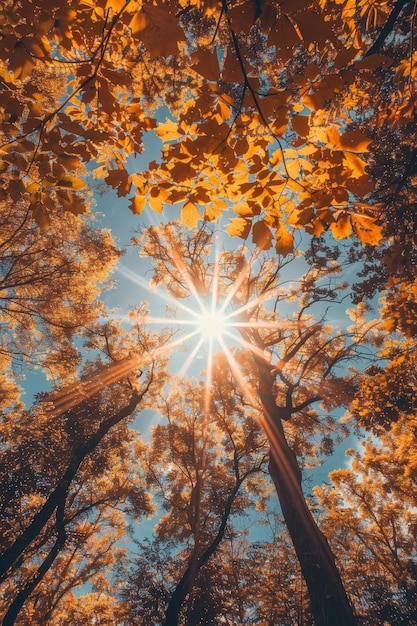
(292, 168)
(189, 215)
(137, 204)
(243, 209)
(168, 131)
(71, 181)
(212, 211)
(238, 227)
(155, 204)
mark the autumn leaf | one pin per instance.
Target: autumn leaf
(243, 16)
(355, 164)
(232, 71)
(137, 203)
(238, 227)
(366, 228)
(169, 131)
(300, 124)
(190, 215)
(155, 204)
(72, 181)
(342, 227)
(121, 180)
(21, 63)
(284, 240)
(262, 235)
(206, 64)
(284, 37)
(159, 30)
(354, 141)
(71, 202)
(40, 215)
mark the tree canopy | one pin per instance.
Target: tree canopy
(276, 141)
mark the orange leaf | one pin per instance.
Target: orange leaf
(355, 164)
(342, 227)
(284, 240)
(40, 215)
(206, 64)
(354, 141)
(366, 229)
(300, 124)
(138, 22)
(155, 204)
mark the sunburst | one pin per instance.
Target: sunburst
(212, 323)
(215, 323)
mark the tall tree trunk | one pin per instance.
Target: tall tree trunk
(195, 563)
(12, 554)
(329, 602)
(17, 604)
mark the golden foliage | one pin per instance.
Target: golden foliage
(117, 63)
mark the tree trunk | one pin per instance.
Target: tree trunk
(15, 552)
(187, 581)
(329, 603)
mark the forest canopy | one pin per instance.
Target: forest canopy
(266, 154)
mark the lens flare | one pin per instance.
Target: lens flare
(211, 324)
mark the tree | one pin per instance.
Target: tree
(50, 285)
(370, 513)
(295, 364)
(205, 466)
(70, 468)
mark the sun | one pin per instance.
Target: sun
(211, 324)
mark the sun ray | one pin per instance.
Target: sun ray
(238, 376)
(191, 357)
(215, 319)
